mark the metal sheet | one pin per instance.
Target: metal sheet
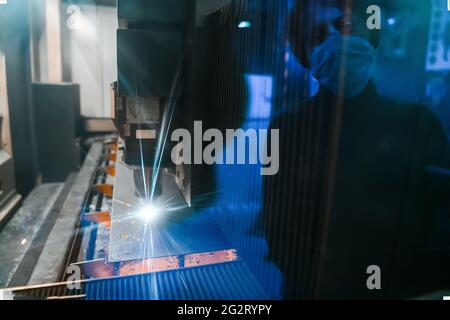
(177, 232)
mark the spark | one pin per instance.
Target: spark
(149, 213)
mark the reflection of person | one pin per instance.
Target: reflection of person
(352, 190)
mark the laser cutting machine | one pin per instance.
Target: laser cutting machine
(141, 219)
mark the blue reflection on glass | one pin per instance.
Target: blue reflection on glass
(239, 201)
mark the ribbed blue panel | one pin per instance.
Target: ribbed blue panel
(228, 281)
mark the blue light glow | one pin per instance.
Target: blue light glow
(238, 206)
(391, 21)
(244, 24)
(149, 213)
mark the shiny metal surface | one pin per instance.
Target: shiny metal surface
(177, 231)
(52, 259)
(17, 236)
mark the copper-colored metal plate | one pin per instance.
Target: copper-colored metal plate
(200, 259)
(99, 269)
(149, 265)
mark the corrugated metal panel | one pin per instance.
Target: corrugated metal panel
(228, 281)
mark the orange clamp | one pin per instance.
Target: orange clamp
(106, 189)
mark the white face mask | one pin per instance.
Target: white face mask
(343, 63)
